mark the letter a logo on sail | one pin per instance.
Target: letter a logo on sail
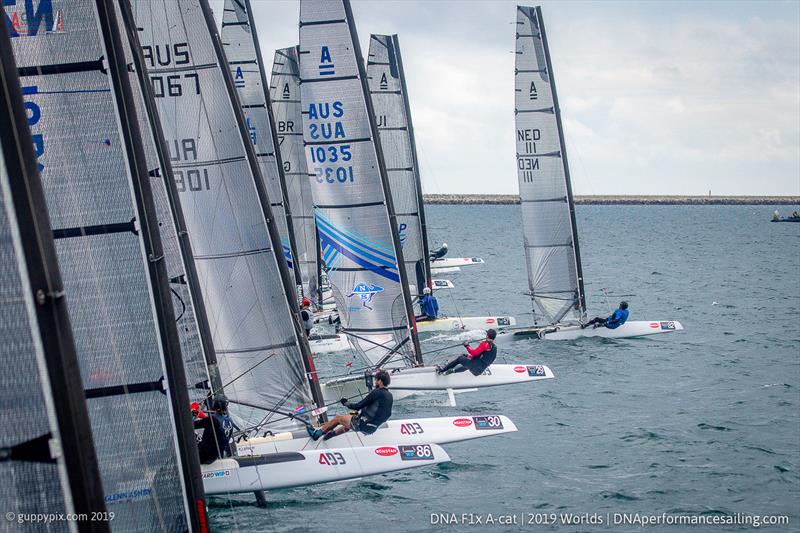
(534, 94)
(238, 80)
(326, 66)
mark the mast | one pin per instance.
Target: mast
(272, 229)
(362, 75)
(177, 218)
(570, 199)
(426, 255)
(162, 301)
(50, 356)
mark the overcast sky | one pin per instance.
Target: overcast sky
(656, 97)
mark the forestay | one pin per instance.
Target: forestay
(102, 217)
(285, 93)
(43, 402)
(253, 320)
(387, 86)
(240, 42)
(548, 218)
(358, 239)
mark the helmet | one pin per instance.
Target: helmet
(220, 403)
(426, 290)
(490, 333)
(444, 245)
(623, 305)
(194, 406)
(305, 302)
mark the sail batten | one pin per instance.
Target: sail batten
(548, 217)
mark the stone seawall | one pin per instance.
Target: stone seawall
(495, 199)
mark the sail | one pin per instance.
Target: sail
(285, 94)
(193, 333)
(254, 327)
(358, 239)
(40, 390)
(390, 101)
(548, 218)
(240, 42)
(102, 217)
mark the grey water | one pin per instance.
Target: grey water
(700, 422)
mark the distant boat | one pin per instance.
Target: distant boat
(795, 217)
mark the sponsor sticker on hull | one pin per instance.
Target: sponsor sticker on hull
(520, 369)
(655, 325)
(386, 451)
(536, 370)
(418, 452)
(462, 422)
(668, 325)
(491, 422)
(216, 474)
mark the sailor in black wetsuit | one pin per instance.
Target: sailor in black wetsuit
(438, 254)
(217, 428)
(373, 410)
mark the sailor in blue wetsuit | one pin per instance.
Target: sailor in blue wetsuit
(428, 305)
(617, 318)
(217, 429)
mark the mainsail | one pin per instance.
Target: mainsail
(262, 356)
(387, 86)
(240, 42)
(101, 211)
(548, 213)
(285, 94)
(197, 349)
(40, 390)
(358, 236)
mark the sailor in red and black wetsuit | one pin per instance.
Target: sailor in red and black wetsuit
(478, 359)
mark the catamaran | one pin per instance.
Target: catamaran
(356, 216)
(98, 198)
(552, 255)
(389, 95)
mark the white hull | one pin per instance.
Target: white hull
(444, 270)
(634, 328)
(449, 262)
(328, 343)
(409, 432)
(465, 323)
(442, 284)
(294, 469)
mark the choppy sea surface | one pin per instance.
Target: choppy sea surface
(701, 422)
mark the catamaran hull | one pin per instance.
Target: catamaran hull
(444, 270)
(449, 262)
(465, 323)
(294, 469)
(411, 432)
(328, 343)
(637, 328)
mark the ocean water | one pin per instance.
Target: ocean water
(703, 422)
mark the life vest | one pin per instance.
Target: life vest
(223, 428)
(617, 319)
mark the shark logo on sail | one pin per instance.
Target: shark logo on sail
(366, 293)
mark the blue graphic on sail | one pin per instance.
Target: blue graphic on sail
(287, 252)
(366, 293)
(336, 243)
(402, 233)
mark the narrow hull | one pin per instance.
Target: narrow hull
(636, 328)
(788, 219)
(294, 469)
(465, 323)
(409, 432)
(444, 270)
(328, 343)
(449, 262)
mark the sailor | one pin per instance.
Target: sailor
(373, 410)
(197, 412)
(478, 360)
(441, 252)
(428, 305)
(217, 429)
(617, 318)
(776, 215)
(306, 316)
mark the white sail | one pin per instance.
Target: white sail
(387, 87)
(40, 389)
(261, 355)
(240, 42)
(358, 238)
(548, 219)
(285, 93)
(115, 284)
